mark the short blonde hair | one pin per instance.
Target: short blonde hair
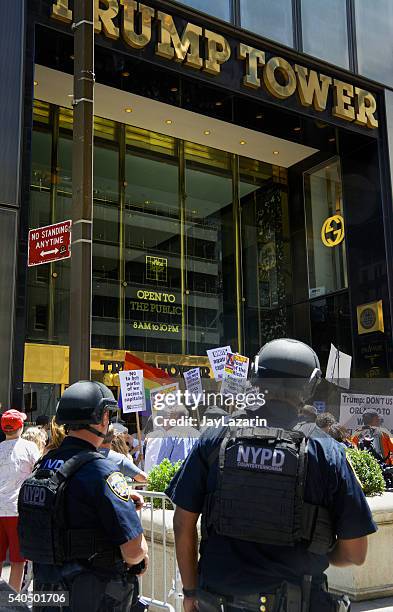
(36, 435)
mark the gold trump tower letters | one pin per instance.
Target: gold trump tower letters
(201, 49)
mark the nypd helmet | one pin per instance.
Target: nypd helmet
(84, 403)
(291, 362)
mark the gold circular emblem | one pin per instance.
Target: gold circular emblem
(368, 318)
(332, 232)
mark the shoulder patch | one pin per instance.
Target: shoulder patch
(118, 485)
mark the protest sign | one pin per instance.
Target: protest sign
(320, 406)
(217, 358)
(233, 385)
(166, 396)
(338, 369)
(193, 382)
(235, 375)
(236, 365)
(352, 406)
(132, 391)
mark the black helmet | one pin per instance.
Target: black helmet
(291, 362)
(84, 403)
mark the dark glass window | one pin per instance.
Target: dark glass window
(218, 8)
(8, 223)
(327, 271)
(270, 19)
(325, 33)
(374, 24)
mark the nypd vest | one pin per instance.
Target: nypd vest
(44, 535)
(259, 495)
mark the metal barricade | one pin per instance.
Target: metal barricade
(161, 585)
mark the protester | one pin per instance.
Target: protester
(84, 538)
(372, 432)
(325, 420)
(340, 433)
(136, 447)
(43, 421)
(308, 414)
(38, 436)
(264, 547)
(110, 448)
(17, 459)
(56, 435)
(171, 439)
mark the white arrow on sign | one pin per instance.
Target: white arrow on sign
(53, 252)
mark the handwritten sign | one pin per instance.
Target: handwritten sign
(132, 391)
(217, 358)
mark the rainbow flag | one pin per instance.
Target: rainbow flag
(152, 378)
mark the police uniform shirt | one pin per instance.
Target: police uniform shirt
(228, 566)
(96, 497)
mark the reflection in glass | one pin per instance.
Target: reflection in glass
(210, 266)
(266, 253)
(48, 296)
(8, 220)
(105, 300)
(153, 300)
(374, 25)
(218, 8)
(270, 19)
(324, 210)
(325, 33)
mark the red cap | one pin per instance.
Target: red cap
(12, 420)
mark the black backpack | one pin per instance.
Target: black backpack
(260, 491)
(44, 536)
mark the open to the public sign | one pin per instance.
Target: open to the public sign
(49, 243)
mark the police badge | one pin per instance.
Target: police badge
(118, 484)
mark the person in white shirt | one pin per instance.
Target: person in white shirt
(124, 464)
(172, 437)
(17, 459)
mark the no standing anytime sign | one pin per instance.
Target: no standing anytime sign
(49, 243)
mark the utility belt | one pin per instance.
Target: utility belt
(288, 597)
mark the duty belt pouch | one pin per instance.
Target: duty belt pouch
(288, 598)
(209, 602)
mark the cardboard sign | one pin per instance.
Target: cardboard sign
(352, 406)
(338, 369)
(166, 396)
(236, 365)
(193, 382)
(132, 391)
(217, 358)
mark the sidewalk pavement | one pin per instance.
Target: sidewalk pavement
(376, 605)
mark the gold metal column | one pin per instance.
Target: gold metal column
(53, 199)
(183, 247)
(238, 251)
(122, 263)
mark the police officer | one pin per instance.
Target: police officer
(276, 507)
(78, 522)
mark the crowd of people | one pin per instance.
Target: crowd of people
(91, 544)
(21, 449)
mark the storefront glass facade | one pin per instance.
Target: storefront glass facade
(198, 246)
(165, 262)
